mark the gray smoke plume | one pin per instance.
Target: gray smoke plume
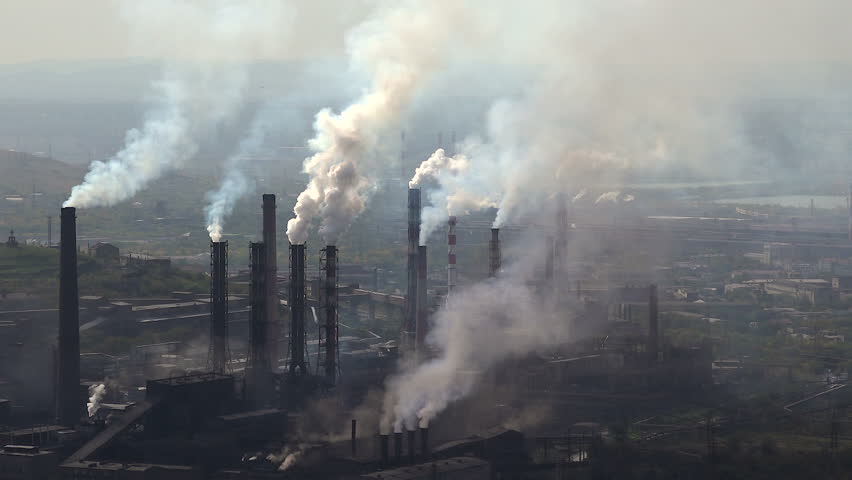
(400, 46)
(610, 96)
(202, 86)
(505, 311)
(236, 183)
(439, 174)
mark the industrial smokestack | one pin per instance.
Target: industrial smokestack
(258, 362)
(218, 353)
(850, 212)
(69, 404)
(560, 245)
(384, 441)
(494, 254)
(397, 446)
(653, 338)
(424, 442)
(298, 366)
(271, 269)
(258, 358)
(412, 441)
(329, 330)
(354, 436)
(413, 243)
(451, 255)
(422, 301)
(548, 262)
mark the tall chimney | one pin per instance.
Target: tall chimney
(397, 446)
(258, 362)
(653, 334)
(424, 442)
(50, 230)
(69, 404)
(561, 243)
(850, 212)
(548, 261)
(412, 442)
(413, 243)
(451, 255)
(384, 439)
(298, 365)
(494, 255)
(271, 269)
(329, 328)
(422, 301)
(218, 354)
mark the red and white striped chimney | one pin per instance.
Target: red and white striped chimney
(451, 255)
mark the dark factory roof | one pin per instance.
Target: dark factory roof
(188, 379)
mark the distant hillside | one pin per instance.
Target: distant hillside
(19, 171)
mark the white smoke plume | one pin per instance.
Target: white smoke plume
(579, 196)
(505, 311)
(202, 86)
(400, 46)
(236, 182)
(287, 457)
(608, 197)
(437, 164)
(96, 395)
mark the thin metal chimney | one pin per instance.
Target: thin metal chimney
(271, 269)
(451, 255)
(413, 243)
(494, 254)
(422, 300)
(298, 365)
(548, 261)
(218, 353)
(560, 245)
(69, 403)
(328, 329)
(653, 333)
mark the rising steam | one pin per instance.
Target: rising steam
(96, 395)
(400, 46)
(505, 312)
(236, 183)
(201, 87)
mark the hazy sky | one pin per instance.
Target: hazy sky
(32, 30)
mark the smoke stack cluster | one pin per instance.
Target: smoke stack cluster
(218, 356)
(298, 365)
(69, 404)
(413, 244)
(329, 305)
(494, 254)
(451, 255)
(271, 269)
(653, 333)
(422, 300)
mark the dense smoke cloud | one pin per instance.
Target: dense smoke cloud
(506, 311)
(96, 395)
(617, 92)
(204, 87)
(400, 46)
(629, 91)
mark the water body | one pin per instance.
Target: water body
(790, 201)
